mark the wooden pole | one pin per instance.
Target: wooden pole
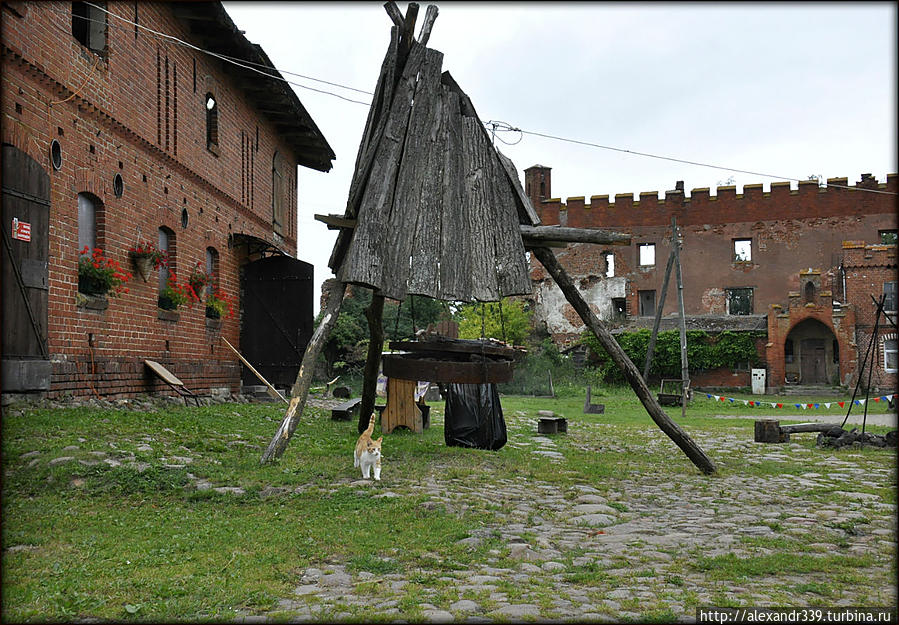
(669, 427)
(375, 314)
(684, 366)
(299, 392)
(272, 391)
(650, 350)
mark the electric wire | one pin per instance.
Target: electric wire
(495, 126)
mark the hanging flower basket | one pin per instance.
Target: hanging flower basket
(144, 266)
(147, 257)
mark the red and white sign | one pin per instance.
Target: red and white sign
(21, 230)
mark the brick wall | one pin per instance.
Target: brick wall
(139, 111)
(796, 236)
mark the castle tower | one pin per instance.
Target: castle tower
(538, 184)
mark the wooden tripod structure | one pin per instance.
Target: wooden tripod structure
(434, 209)
(673, 260)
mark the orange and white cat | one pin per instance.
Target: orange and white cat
(368, 452)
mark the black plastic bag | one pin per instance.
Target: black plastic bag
(474, 417)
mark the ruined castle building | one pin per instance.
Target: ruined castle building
(114, 136)
(798, 265)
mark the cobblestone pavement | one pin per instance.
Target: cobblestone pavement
(622, 552)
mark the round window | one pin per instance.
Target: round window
(118, 185)
(184, 218)
(56, 154)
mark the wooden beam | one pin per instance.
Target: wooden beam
(394, 12)
(335, 291)
(336, 222)
(682, 324)
(616, 353)
(425, 33)
(375, 314)
(534, 235)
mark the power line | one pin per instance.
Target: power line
(496, 126)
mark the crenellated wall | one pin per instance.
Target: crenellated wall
(795, 235)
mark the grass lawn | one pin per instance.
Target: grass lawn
(103, 518)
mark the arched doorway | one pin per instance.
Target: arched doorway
(811, 354)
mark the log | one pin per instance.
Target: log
(669, 427)
(300, 391)
(430, 16)
(394, 12)
(769, 431)
(538, 236)
(809, 427)
(375, 314)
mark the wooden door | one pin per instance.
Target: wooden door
(276, 318)
(813, 364)
(25, 284)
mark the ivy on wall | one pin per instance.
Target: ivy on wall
(704, 351)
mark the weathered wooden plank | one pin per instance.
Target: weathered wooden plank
(364, 261)
(486, 347)
(631, 374)
(447, 371)
(427, 251)
(535, 235)
(455, 277)
(510, 258)
(300, 391)
(407, 218)
(477, 194)
(371, 137)
(526, 213)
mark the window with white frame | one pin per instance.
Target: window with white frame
(890, 356)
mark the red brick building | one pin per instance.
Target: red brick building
(798, 263)
(123, 123)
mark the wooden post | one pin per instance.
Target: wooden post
(375, 314)
(669, 427)
(650, 350)
(299, 392)
(684, 366)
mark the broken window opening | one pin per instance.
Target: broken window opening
(742, 250)
(739, 301)
(647, 254)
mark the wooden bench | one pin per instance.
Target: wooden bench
(169, 378)
(347, 410)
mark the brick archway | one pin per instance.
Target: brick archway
(782, 326)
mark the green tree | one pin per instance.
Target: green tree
(509, 321)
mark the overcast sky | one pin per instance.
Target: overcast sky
(790, 90)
